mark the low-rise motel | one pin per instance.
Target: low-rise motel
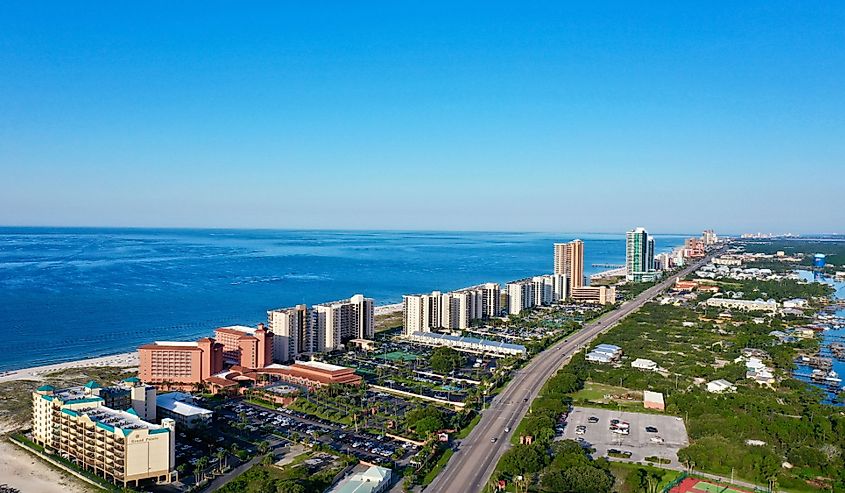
(116, 444)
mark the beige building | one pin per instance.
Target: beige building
(337, 322)
(290, 332)
(520, 295)
(115, 444)
(601, 295)
(569, 261)
(454, 310)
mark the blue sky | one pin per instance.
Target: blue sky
(424, 115)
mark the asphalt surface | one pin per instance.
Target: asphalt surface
(469, 469)
(639, 442)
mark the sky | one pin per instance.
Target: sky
(552, 116)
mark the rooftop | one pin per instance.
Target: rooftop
(180, 403)
(319, 365)
(471, 340)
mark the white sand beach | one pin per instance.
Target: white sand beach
(28, 473)
(124, 360)
(387, 309)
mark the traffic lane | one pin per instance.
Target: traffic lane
(582, 337)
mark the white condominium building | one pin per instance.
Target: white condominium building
(291, 336)
(453, 310)
(337, 322)
(520, 295)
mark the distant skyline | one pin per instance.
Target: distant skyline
(427, 116)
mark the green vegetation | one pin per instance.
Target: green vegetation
(560, 467)
(835, 250)
(424, 421)
(441, 463)
(634, 478)
(445, 360)
(293, 478)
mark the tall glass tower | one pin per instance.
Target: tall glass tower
(639, 256)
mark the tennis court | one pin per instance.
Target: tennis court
(692, 485)
(399, 355)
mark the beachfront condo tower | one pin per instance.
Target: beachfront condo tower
(453, 310)
(569, 261)
(335, 323)
(639, 256)
(290, 332)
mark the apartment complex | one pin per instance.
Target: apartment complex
(639, 256)
(453, 310)
(537, 291)
(115, 444)
(569, 261)
(249, 347)
(291, 336)
(335, 323)
(180, 364)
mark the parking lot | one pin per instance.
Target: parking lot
(671, 434)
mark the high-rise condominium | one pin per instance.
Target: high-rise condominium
(453, 310)
(639, 256)
(337, 322)
(569, 261)
(291, 336)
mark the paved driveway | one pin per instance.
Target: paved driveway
(639, 442)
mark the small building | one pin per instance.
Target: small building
(604, 353)
(795, 303)
(181, 408)
(653, 400)
(374, 479)
(363, 344)
(720, 386)
(644, 364)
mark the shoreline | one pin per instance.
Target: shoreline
(122, 360)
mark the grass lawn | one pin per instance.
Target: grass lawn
(468, 428)
(596, 392)
(441, 463)
(626, 476)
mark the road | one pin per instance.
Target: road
(471, 466)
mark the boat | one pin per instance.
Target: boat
(826, 377)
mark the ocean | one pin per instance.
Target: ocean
(71, 293)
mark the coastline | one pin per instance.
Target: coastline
(121, 360)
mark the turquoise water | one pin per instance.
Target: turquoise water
(72, 293)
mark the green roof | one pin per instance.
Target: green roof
(92, 385)
(46, 388)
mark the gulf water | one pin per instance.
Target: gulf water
(67, 294)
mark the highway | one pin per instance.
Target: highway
(469, 469)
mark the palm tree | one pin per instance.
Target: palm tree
(199, 468)
(263, 447)
(221, 460)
